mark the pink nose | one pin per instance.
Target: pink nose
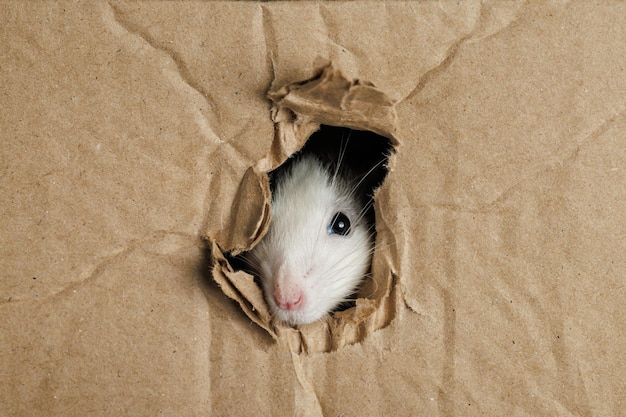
(288, 299)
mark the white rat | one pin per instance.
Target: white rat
(319, 243)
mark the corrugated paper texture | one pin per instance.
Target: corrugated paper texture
(133, 134)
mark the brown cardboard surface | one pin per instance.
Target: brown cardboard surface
(133, 131)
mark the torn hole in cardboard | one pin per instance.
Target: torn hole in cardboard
(332, 118)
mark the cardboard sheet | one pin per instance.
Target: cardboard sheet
(135, 142)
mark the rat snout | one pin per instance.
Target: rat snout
(288, 297)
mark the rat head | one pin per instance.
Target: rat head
(318, 246)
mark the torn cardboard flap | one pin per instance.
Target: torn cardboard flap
(300, 107)
(330, 98)
(249, 214)
(240, 287)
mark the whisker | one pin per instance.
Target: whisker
(364, 176)
(342, 151)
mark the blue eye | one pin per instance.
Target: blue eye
(339, 225)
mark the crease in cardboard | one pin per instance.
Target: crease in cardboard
(184, 74)
(482, 27)
(605, 124)
(307, 401)
(448, 382)
(565, 157)
(442, 66)
(495, 18)
(270, 39)
(100, 264)
(95, 270)
(331, 35)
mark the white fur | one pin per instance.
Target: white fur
(298, 256)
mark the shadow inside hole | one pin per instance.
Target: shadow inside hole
(363, 151)
(360, 155)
